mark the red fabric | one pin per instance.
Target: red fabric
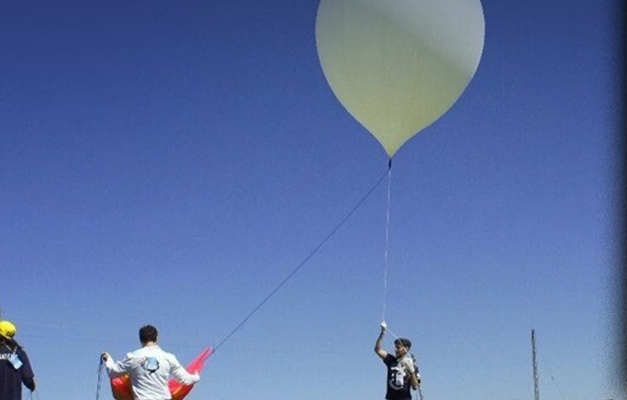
(122, 390)
(177, 389)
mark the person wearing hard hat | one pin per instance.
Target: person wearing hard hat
(15, 368)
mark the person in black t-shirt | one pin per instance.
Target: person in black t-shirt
(402, 374)
(15, 368)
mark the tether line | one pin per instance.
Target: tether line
(387, 241)
(303, 262)
(100, 365)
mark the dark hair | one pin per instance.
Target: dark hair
(148, 333)
(405, 342)
(12, 344)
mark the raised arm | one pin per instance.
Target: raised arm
(377, 347)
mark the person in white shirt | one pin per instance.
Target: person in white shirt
(149, 368)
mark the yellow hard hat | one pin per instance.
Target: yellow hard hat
(7, 329)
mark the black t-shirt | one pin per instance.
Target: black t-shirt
(11, 378)
(398, 387)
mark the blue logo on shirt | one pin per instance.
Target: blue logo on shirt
(150, 364)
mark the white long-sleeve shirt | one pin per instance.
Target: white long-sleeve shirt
(149, 369)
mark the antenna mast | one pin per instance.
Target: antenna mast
(536, 389)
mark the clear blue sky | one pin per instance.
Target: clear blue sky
(170, 162)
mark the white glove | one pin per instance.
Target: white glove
(408, 365)
(384, 326)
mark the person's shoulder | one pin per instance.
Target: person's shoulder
(136, 353)
(172, 359)
(12, 346)
(158, 351)
(389, 358)
(171, 356)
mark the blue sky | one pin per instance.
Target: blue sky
(171, 162)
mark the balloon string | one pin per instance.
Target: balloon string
(387, 241)
(301, 264)
(100, 365)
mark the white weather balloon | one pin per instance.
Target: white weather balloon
(399, 65)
